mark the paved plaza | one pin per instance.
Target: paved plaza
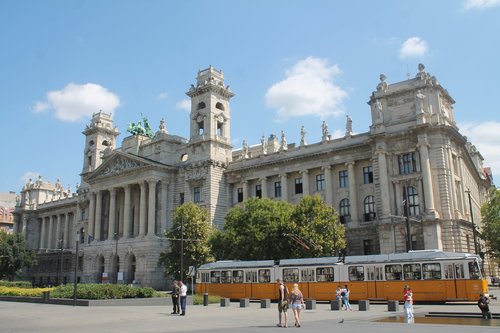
(45, 318)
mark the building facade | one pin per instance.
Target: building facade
(412, 181)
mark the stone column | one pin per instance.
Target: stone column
(244, 185)
(164, 207)
(305, 182)
(426, 175)
(284, 187)
(68, 239)
(327, 170)
(58, 231)
(353, 193)
(98, 217)
(43, 233)
(152, 207)
(90, 226)
(51, 231)
(142, 209)
(384, 180)
(126, 212)
(263, 185)
(112, 215)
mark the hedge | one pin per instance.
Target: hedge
(27, 292)
(103, 291)
(19, 284)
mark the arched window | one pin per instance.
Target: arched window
(345, 211)
(200, 106)
(369, 208)
(413, 201)
(219, 106)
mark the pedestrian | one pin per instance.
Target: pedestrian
(182, 296)
(175, 297)
(483, 304)
(297, 302)
(338, 294)
(282, 303)
(345, 298)
(408, 302)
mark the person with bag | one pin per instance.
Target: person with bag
(483, 304)
(408, 302)
(282, 302)
(175, 297)
(345, 298)
(297, 301)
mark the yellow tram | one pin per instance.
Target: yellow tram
(433, 275)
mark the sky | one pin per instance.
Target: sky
(290, 63)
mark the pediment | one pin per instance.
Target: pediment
(118, 163)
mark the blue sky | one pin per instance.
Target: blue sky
(290, 63)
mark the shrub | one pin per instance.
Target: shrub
(27, 292)
(103, 291)
(19, 284)
(212, 299)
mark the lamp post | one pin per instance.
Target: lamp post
(59, 279)
(76, 269)
(407, 218)
(117, 263)
(474, 233)
(182, 249)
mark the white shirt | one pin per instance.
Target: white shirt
(184, 290)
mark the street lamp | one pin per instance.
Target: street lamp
(76, 268)
(116, 256)
(182, 249)
(407, 218)
(59, 279)
(474, 233)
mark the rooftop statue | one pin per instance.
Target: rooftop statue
(141, 128)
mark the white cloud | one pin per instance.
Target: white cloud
(485, 137)
(480, 4)
(308, 89)
(185, 104)
(162, 95)
(76, 102)
(413, 47)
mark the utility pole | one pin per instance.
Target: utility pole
(59, 277)
(474, 233)
(407, 216)
(182, 249)
(117, 259)
(76, 271)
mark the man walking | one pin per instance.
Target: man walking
(282, 302)
(183, 296)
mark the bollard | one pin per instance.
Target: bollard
(244, 303)
(225, 302)
(311, 304)
(364, 305)
(393, 306)
(45, 296)
(205, 299)
(265, 303)
(336, 305)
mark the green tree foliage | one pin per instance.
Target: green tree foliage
(254, 231)
(317, 226)
(263, 229)
(197, 230)
(14, 255)
(490, 232)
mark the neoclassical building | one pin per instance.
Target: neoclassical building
(412, 181)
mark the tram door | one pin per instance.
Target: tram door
(457, 286)
(375, 289)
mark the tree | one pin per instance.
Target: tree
(254, 231)
(14, 255)
(317, 227)
(191, 222)
(490, 232)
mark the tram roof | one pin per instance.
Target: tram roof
(409, 256)
(237, 264)
(310, 261)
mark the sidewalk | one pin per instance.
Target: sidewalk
(45, 318)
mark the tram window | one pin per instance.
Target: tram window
(225, 277)
(307, 274)
(459, 271)
(448, 271)
(237, 276)
(374, 273)
(412, 272)
(205, 277)
(291, 275)
(324, 274)
(264, 275)
(356, 273)
(393, 272)
(431, 271)
(215, 277)
(251, 276)
(474, 272)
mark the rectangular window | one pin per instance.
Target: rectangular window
(474, 271)
(205, 277)
(290, 274)
(320, 182)
(298, 185)
(82, 216)
(368, 174)
(307, 275)
(356, 273)
(240, 194)
(197, 194)
(225, 277)
(343, 178)
(393, 272)
(215, 277)
(374, 273)
(251, 276)
(258, 191)
(277, 189)
(368, 246)
(324, 274)
(238, 276)
(264, 275)
(412, 272)
(407, 163)
(181, 198)
(431, 271)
